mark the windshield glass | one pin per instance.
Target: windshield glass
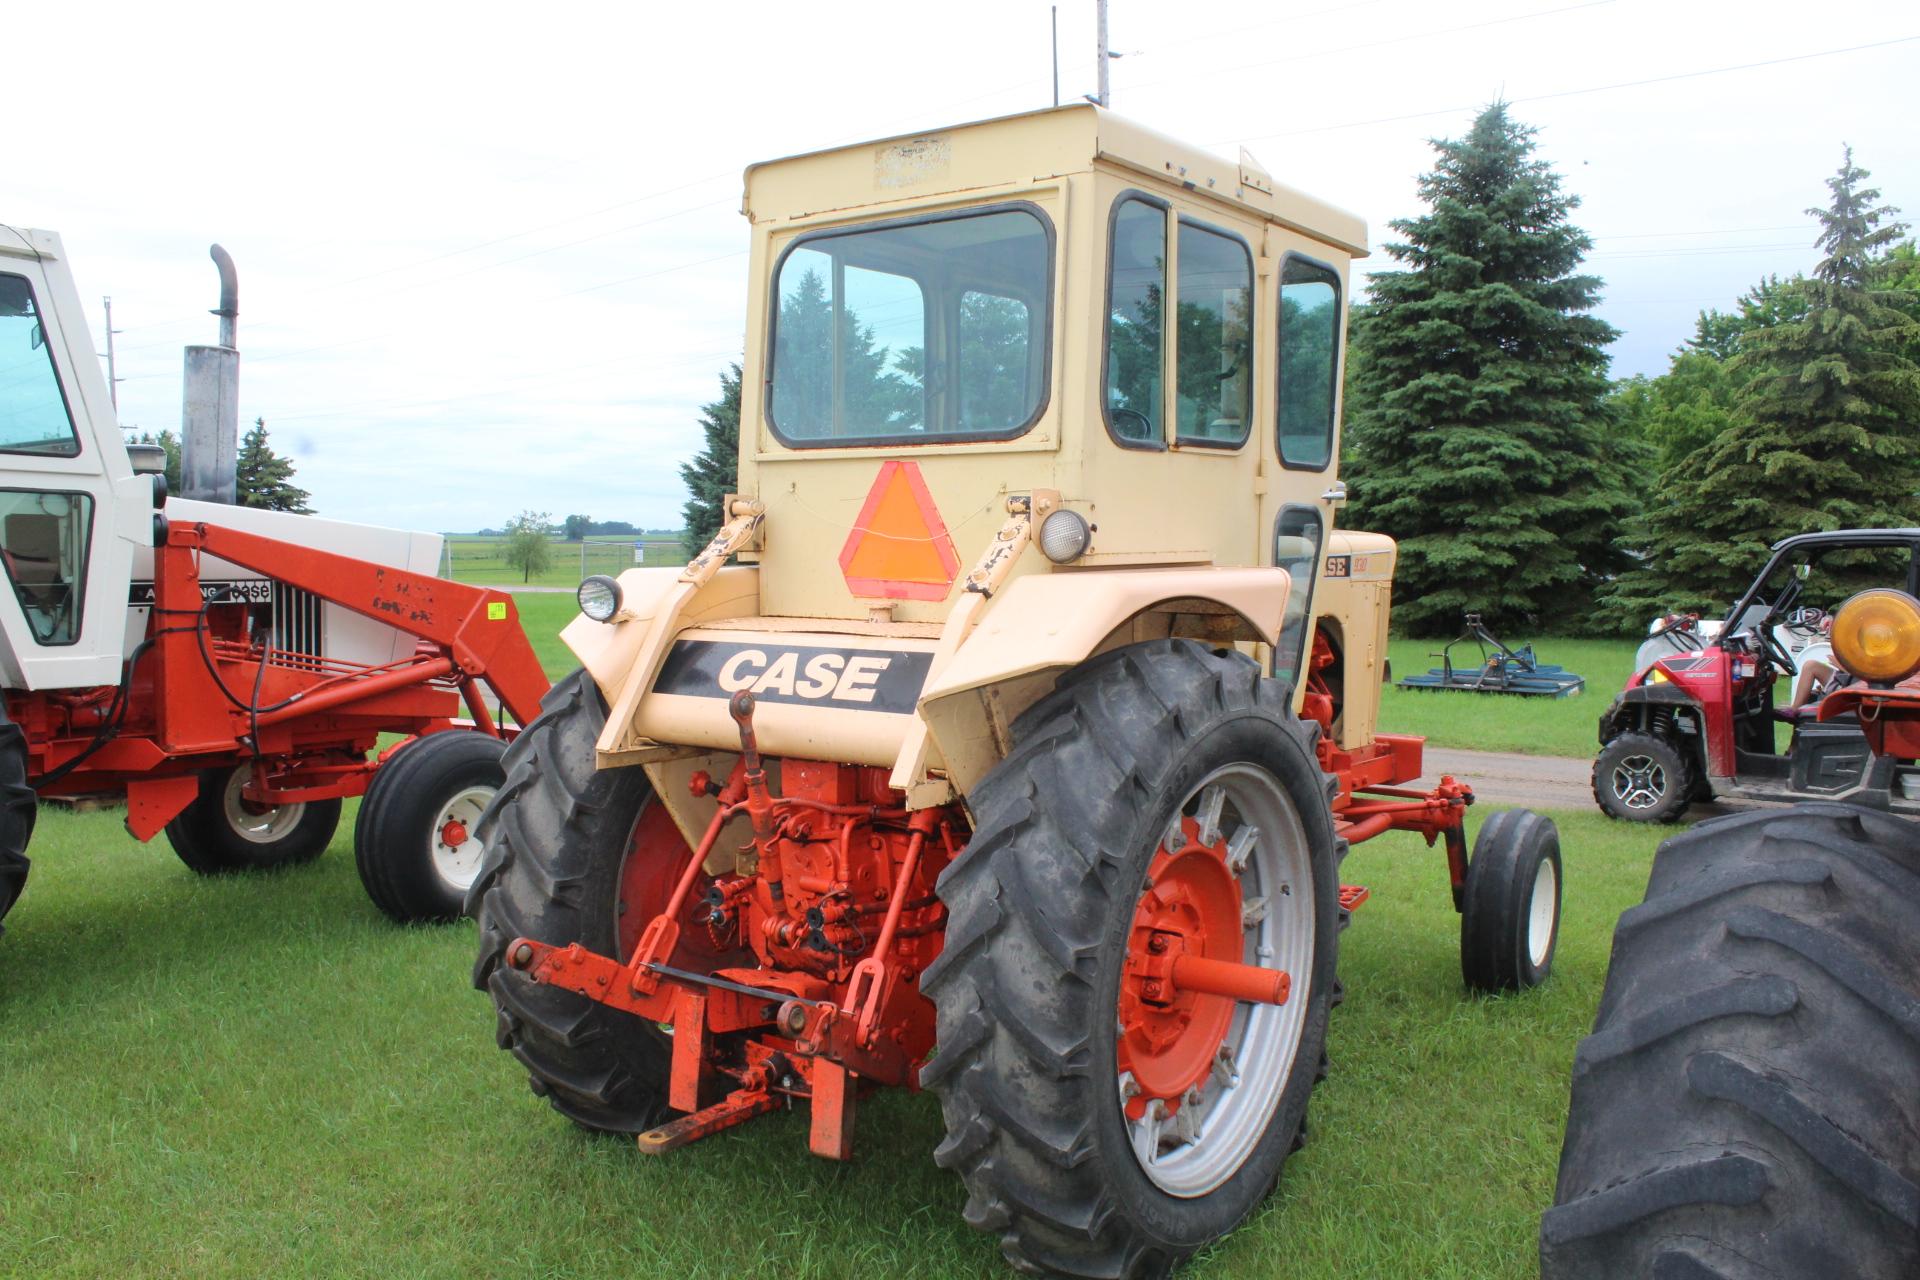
(919, 331)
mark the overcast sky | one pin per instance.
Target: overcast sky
(491, 258)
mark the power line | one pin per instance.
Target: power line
(1377, 44)
(1573, 93)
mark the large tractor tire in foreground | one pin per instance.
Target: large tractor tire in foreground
(575, 854)
(223, 832)
(1749, 1101)
(1163, 790)
(18, 809)
(416, 842)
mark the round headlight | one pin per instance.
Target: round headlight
(1876, 635)
(599, 597)
(1064, 536)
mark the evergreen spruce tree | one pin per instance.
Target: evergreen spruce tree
(264, 478)
(1477, 430)
(1825, 432)
(714, 470)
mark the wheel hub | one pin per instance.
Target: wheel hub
(1170, 1036)
(1639, 782)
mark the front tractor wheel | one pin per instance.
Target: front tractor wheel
(222, 831)
(1510, 910)
(415, 843)
(1139, 966)
(578, 854)
(1643, 777)
(18, 809)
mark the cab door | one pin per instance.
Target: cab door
(1308, 306)
(71, 509)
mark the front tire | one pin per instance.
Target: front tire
(18, 808)
(222, 832)
(1510, 910)
(415, 842)
(1045, 1052)
(1643, 777)
(1749, 1101)
(577, 854)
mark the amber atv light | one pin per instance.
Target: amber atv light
(1876, 635)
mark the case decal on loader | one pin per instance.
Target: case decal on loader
(859, 679)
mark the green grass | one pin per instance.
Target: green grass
(261, 1076)
(542, 615)
(1492, 722)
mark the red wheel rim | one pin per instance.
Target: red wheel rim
(655, 857)
(1170, 1038)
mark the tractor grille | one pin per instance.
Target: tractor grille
(297, 624)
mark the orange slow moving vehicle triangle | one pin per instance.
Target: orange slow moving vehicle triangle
(899, 548)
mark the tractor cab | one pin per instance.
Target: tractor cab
(1061, 318)
(1738, 707)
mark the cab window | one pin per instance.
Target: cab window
(1214, 346)
(33, 412)
(1296, 548)
(1309, 362)
(43, 545)
(913, 332)
(1136, 330)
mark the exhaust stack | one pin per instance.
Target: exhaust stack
(210, 412)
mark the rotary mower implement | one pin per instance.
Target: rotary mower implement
(1500, 669)
(1039, 803)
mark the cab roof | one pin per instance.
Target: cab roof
(1032, 145)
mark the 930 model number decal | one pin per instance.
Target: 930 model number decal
(886, 680)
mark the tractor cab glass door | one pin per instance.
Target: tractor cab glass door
(44, 533)
(1297, 539)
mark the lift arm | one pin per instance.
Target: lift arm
(477, 626)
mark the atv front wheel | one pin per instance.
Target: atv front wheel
(1749, 1101)
(587, 855)
(1162, 801)
(222, 831)
(1643, 777)
(415, 843)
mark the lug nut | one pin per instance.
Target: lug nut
(522, 956)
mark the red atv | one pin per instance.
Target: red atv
(1705, 713)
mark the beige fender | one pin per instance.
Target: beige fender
(1043, 624)
(608, 650)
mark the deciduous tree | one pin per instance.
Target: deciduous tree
(529, 543)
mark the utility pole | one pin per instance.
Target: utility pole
(1056, 73)
(113, 378)
(1102, 97)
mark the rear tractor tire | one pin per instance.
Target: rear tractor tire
(415, 842)
(222, 832)
(577, 854)
(1644, 777)
(1510, 910)
(18, 809)
(1748, 1104)
(1163, 799)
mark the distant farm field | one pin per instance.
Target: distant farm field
(471, 558)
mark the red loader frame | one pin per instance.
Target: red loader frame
(206, 688)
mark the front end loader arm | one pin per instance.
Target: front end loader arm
(477, 626)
